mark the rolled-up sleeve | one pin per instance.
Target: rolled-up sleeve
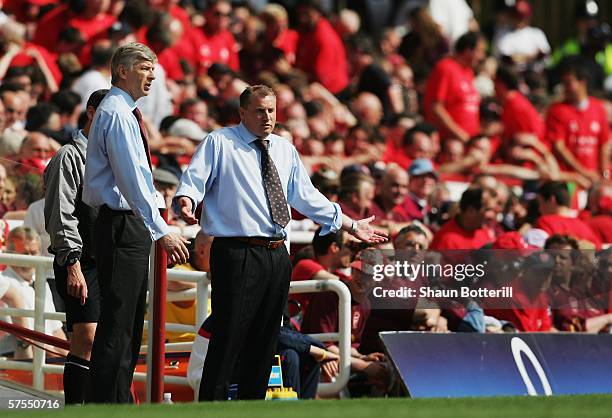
(62, 178)
(307, 200)
(132, 173)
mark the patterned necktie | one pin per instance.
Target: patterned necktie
(272, 184)
(143, 134)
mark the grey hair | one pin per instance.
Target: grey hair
(128, 55)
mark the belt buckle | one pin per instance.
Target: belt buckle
(271, 245)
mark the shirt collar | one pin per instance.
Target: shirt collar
(246, 135)
(128, 99)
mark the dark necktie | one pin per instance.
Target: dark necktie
(143, 134)
(272, 184)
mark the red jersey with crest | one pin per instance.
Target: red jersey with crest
(584, 131)
(453, 85)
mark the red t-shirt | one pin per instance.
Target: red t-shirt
(52, 23)
(305, 270)
(409, 210)
(22, 59)
(396, 154)
(557, 224)
(584, 132)
(452, 237)
(322, 316)
(287, 41)
(519, 115)
(219, 48)
(453, 86)
(571, 309)
(321, 54)
(602, 227)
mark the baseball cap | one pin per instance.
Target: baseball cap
(535, 237)
(188, 129)
(164, 176)
(422, 166)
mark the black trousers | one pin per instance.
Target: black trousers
(250, 286)
(122, 249)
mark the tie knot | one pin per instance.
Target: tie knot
(137, 113)
(263, 144)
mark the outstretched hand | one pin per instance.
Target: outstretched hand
(367, 233)
(187, 210)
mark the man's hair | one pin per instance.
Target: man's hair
(471, 198)
(66, 101)
(128, 55)
(352, 184)
(38, 116)
(101, 54)
(96, 98)
(411, 133)
(556, 189)
(562, 241)
(467, 41)
(187, 103)
(574, 68)
(21, 233)
(321, 243)
(508, 77)
(411, 228)
(259, 90)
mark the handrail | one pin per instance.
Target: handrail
(43, 264)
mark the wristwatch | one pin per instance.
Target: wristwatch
(354, 227)
(71, 260)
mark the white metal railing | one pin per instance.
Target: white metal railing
(39, 368)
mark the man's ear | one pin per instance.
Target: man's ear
(333, 248)
(122, 71)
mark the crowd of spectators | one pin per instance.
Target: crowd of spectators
(453, 134)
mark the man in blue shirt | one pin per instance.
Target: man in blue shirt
(118, 180)
(247, 177)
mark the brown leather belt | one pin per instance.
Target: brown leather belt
(261, 242)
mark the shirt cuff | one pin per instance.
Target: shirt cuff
(159, 228)
(336, 223)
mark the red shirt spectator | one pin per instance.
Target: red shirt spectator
(452, 84)
(25, 58)
(453, 237)
(320, 51)
(602, 227)
(305, 270)
(220, 47)
(583, 131)
(524, 318)
(322, 316)
(519, 116)
(93, 25)
(563, 225)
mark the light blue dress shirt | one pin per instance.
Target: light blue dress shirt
(225, 173)
(117, 172)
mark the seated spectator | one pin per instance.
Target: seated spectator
(35, 152)
(557, 218)
(576, 308)
(356, 195)
(23, 240)
(322, 317)
(421, 185)
(331, 257)
(601, 219)
(466, 231)
(16, 103)
(393, 189)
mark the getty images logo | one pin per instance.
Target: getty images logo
(520, 347)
